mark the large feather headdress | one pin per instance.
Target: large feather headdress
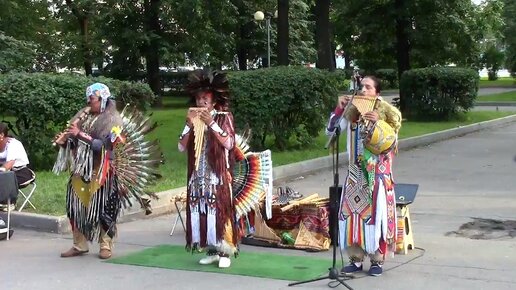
(215, 82)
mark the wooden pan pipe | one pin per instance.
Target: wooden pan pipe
(198, 129)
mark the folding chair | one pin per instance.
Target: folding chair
(32, 183)
(179, 202)
(8, 190)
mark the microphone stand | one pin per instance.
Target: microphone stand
(333, 272)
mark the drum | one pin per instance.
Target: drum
(381, 138)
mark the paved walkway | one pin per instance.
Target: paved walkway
(481, 91)
(390, 96)
(462, 178)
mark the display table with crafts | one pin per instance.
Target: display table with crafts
(300, 223)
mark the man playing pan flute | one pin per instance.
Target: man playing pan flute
(209, 138)
(367, 215)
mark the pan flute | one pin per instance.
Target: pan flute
(379, 137)
(198, 129)
(364, 104)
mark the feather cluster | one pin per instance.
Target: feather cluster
(252, 177)
(136, 159)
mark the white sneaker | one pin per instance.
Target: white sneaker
(209, 260)
(224, 262)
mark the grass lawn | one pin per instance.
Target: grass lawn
(50, 193)
(502, 97)
(500, 82)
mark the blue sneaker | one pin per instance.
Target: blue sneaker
(375, 270)
(351, 268)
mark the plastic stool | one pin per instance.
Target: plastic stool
(405, 239)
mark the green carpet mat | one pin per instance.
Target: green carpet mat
(265, 265)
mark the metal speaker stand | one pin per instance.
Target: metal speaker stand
(333, 272)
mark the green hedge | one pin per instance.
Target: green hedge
(348, 72)
(388, 78)
(41, 104)
(438, 93)
(287, 104)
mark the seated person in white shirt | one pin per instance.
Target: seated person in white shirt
(13, 157)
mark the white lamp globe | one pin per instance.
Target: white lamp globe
(259, 16)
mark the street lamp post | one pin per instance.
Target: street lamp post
(259, 16)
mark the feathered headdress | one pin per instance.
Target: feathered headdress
(215, 82)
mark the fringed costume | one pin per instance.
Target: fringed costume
(367, 216)
(210, 211)
(226, 181)
(92, 200)
(110, 162)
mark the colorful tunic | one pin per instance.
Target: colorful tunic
(210, 210)
(367, 215)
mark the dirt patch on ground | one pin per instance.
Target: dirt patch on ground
(486, 229)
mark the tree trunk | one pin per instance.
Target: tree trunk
(325, 55)
(402, 44)
(242, 47)
(243, 31)
(283, 32)
(152, 48)
(82, 19)
(85, 45)
(333, 47)
(347, 60)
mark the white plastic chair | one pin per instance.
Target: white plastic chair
(29, 183)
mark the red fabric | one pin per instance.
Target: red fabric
(338, 111)
(383, 247)
(106, 166)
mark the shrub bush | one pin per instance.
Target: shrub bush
(41, 104)
(344, 79)
(388, 77)
(348, 72)
(438, 93)
(135, 93)
(288, 104)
